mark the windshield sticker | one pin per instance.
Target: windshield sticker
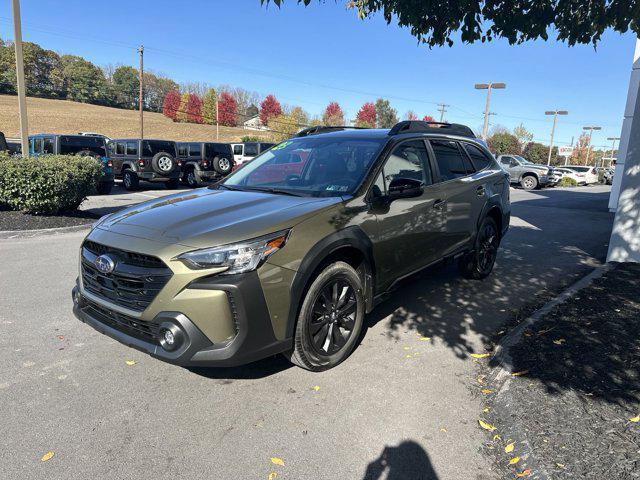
(337, 188)
(281, 146)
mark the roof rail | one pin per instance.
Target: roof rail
(324, 129)
(418, 126)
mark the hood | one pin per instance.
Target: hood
(538, 166)
(205, 217)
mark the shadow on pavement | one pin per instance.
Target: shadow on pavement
(260, 369)
(407, 461)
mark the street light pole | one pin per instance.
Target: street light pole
(489, 87)
(613, 147)
(555, 114)
(141, 98)
(591, 129)
(22, 98)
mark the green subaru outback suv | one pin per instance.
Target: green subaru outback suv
(289, 253)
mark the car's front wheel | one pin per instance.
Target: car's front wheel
(529, 182)
(479, 263)
(330, 320)
(130, 180)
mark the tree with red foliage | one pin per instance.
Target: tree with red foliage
(428, 118)
(269, 108)
(194, 109)
(171, 105)
(227, 110)
(366, 116)
(411, 115)
(333, 115)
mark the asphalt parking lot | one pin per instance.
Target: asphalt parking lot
(400, 405)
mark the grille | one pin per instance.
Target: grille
(133, 284)
(136, 328)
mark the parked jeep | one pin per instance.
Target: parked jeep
(204, 161)
(50, 144)
(149, 160)
(243, 152)
(527, 174)
(257, 265)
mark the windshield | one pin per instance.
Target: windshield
(309, 166)
(522, 160)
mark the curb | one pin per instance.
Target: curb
(11, 234)
(501, 373)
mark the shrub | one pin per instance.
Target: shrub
(49, 184)
(567, 182)
(249, 138)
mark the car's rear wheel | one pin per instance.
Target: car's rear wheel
(479, 263)
(190, 178)
(130, 180)
(330, 320)
(529, 182)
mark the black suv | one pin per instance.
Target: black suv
(204, 161)
(91, 146)
(150, 160)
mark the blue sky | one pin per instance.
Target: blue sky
(310, 56)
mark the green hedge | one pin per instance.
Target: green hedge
(567, 182)
(49, 184)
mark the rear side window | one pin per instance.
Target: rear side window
(182, 150)
(478, 157)
(71, 145)
(251, 149)
(195, 150)
(451, 161)
(120, 148)
(37, 145)
(237, 149)
(132, 148)
(48, 145)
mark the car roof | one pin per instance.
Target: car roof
(145, 139)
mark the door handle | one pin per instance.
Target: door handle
(439, 204)
(480, 191)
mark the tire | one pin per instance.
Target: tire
(163, 163)
(190, 178)
(172, 184)
(529, 182)
(130, 180)
(324, 343)
(479, 263)
(104, 188)
(222, 165)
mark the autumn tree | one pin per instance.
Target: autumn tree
(386, 115)
(579, 155)
(286, 125)
(366, 117)
(227, 110)
(503, 143)
(171, 105)
(194, 109)
(410, 115)
(428, 118)
(209, 106)
(181, 114)
(333, 115)
(269, 108)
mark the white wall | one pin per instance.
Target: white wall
(625, 193)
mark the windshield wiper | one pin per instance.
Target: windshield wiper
(226, 187)
(274, 190)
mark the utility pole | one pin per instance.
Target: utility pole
(591, 128)
(613, 147)
(22, 99)
(555, 114)
(443, 109)
(217, 120)
(141, 97)
(489, 87)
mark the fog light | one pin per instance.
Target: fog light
(169, 338)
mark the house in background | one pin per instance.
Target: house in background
(254, 123)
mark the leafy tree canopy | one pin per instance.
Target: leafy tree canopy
(436, 23)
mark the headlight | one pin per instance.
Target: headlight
(238, 257)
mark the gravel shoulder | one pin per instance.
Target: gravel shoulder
(570, 409)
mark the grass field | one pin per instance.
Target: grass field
(61, 116)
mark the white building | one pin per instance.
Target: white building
(254, 123)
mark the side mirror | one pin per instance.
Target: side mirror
(405, 188)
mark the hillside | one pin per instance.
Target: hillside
(62, 116)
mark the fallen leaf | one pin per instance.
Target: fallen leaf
(509, 448)
(560, 465)
(496, 437)
(525, 473)
(443, 430)
(315, 388)
(487, 426)
(273, 475)
(481, 378)
(486, 391)
(407, 348)
(518, 374)
(47, 456)
(480, 355)
(560, 341)
(424, 339)
(486, 410)
(514, 460)
(277, 461)
(60, 337)
(130, 362)
(407, 356)
(635, 419)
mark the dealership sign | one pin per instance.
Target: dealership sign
(565, 151)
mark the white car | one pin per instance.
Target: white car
(585, 175)
(243, 152)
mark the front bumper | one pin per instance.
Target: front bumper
(254, 338)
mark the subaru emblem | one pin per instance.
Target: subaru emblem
(105, 264)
